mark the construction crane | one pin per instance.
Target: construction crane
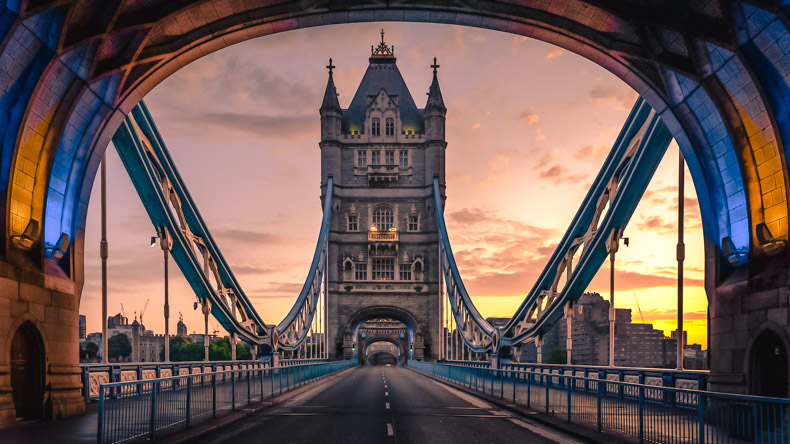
(143, 310)
(637, 307)
(123, 312)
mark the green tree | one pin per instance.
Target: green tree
(219, 350)
(559, 356)
(119, 346)
(243, 352)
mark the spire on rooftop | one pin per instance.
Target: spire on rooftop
(330, 95)
(382, 50)
(435, 100)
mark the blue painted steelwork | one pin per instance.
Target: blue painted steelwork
(617, 189)
(172, 211)
(652, 413)
(144, 410)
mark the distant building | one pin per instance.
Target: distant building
(82, 329)
(146, 347)
(181, 328)
(198, 337)
(636, 344)
(96, 339)
(117, 321)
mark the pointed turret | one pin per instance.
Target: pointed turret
(435, 110)
(330, 110)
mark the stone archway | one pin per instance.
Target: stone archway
(713, 72)
(365, 344)
(416, 340)
(768, 365)
(28, 372)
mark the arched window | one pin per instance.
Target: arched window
(390, 126)
(382, 218)
(375, 126)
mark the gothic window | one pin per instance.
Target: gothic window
(390, 122)
(405, 272)
(414, 222)
(383, 269)
(390, 157)
(375, 126)
(347, 269)
(362, 158)
(382, 218)
(404, 158)
(375, 157)
(361, 271)
(418, 269)
(353, 222)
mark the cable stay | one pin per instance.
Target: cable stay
(177, 219)
(597, 227)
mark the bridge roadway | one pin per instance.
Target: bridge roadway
(386, 404)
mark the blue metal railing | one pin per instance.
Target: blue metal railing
(142, 410)
(93, 375)
(649, 412)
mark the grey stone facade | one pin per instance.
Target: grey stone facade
(383, 153)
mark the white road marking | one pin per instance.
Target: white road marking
(482, 404)
(385, 385)
(387, 405)
(542, 432)
(386, 393)
(389, 430)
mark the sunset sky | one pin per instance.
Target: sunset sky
(528, 127)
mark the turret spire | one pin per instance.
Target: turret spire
(435, 100)
(330, 95)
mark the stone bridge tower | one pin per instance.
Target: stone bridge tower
(383, 154)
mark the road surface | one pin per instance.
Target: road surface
(386, 405)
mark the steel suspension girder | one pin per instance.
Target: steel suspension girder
(600, 221)
(173, 213)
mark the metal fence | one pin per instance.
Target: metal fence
(139, 410)
(651, 413)
(93, 375)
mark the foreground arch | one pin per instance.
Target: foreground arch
(718, 72)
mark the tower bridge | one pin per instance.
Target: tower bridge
(711, 74)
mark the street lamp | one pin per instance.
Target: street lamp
(166, 242)
(613, 246)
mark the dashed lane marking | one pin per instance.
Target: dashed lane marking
(387, 405)
(390, 432)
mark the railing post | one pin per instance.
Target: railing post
(232, 389)
(529, 387)
(86, 383)
(214, 394)
(568, 383)
(641, 413)
(100, 429)
(249, 388)
(701, 416)
(501, 374)
(515, 374)
(260, 370)
(189, 399)
(152, 419)
(547, 383)
(601, 386)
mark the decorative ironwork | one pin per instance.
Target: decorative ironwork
(382, 50)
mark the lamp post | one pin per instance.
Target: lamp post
(681, 255)
(613, 246)
(103, 252)
(166, 243)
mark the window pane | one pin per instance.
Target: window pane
(383, 218)
(361, 271)
(362, 158)
(383, 269)
(404, 158)
(405, 272)
(390, 157)
(352, 223)
(375, 157)
(414, 224)
(390, 126)
(376, 126)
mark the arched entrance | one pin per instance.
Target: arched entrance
(768, 366)
(27, 372)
